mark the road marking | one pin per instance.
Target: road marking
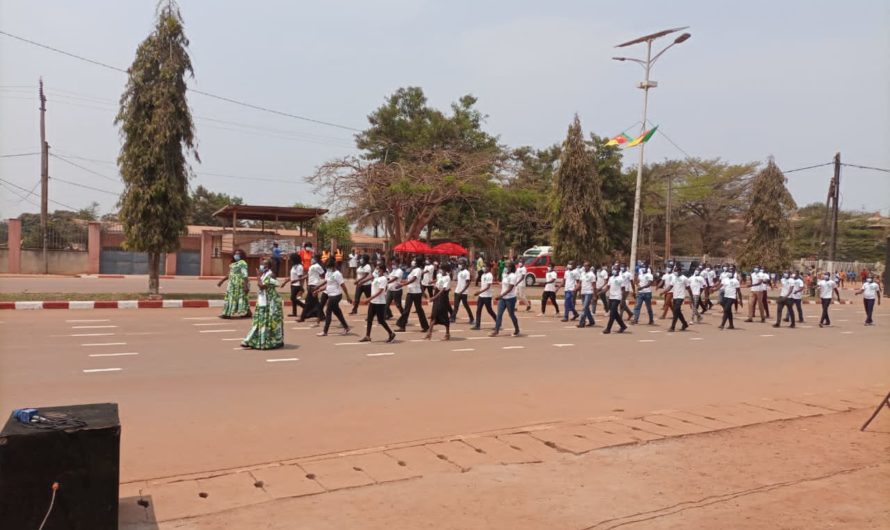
(144, 333)
(112, 354)
(846, 332)
(382, 354)
(646, 340)
(74, 321)
(282, 360)
(535, 336)
(211, 324)
(543, 321)
(200, 318)
(654, 331)
(234, 338)
(417, 340)
(767, 335)
(347, 343)
(569, 327)
(844, 320)
(94, 327)
(105, 344)
(89, 335)
(93, 370)
(304, 327)
(465, 349)
(478, 338)
(512, 347)
(696, 338)
(216, 330)
(563, 345)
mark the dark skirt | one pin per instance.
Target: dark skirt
(441, 309)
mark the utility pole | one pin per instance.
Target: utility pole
(44, 178)
(667, 219)
(836, 187)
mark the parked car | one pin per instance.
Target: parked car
(537, 269)
(537, 251)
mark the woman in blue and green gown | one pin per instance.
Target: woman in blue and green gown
(237, 302)
(267, 331)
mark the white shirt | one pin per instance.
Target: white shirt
(615, 285)
(787, 287)
(296, 272)
(315, 273)
(756, 280)
(766, 278)
(708, 275)
(570, 279)
(379, 284)
(443, 282)
(414, 286)
(644, 284)
(826, 288)
(485, 284)
(506, 282)
(870, 290)
(353, 261)
(334, 284)
(550, 277)
(601, 278)
(427, 278)
(463, 278)
(798, 284)
(588, 279)
(395, 274)
(628, 280)
(697, 283)
(362, 271)
(729, 288)
(668, 280)
(724, 275)
(678, 286)
(521, 273)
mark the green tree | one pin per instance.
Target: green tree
(205, 202)
(158, 133)
(576, 205)
(336, 228)
(617, 193)
(768, 221)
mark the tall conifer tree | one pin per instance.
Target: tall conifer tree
(158, 133)
(768, 221)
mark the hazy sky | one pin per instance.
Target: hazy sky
(798, 80)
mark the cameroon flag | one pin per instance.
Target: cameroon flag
(620, 140)
(643, 138)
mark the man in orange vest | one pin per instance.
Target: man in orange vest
(306, 255)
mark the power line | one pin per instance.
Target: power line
(13, 155)
(34, 187)
(50, 200)
(196, 91)
(808, 167)
(79, 185)
(24, 197)
(867, 167)
(88, 170)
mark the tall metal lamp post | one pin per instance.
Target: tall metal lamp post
(646, 84)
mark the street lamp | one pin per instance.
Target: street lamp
(646, 84)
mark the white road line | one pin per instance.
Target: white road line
(767, 335)
(846, 332)
(94, 327)
(211, 324)
(216, 330)
(242, 348)
(93, 370)
(569, 327)
(105, 344)
(536, 336)
(563, 345)
(200, 318)
(844, 320)
(417, 340)
(696, 338)
(465, 349)
(512, 347)
(74, 321)
(381, 354)
(653, 331)
(282, 360)
(89, 335)
(478, 338)
(646, 340)
(112, 354)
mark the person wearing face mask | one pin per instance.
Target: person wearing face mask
(267, 330)
(414, 298)
(441, 312)
(483, 297)
(312, 307)
(549, 291)
(296, 284)
(732, 289)
(334, 287)
(679, 289)
(644, 296)
(429, 277)
(870, 291)
(785, 300)
(827, 287)
(758, 284)
(394, 289)
(629, 290)
(363, 279)
(602, 277)
(616, 292)
(570, 282)
(377, 303)
(709, 277)
(696, 286)
(460, 292)
(521, 275)
(667, 283)
(796, 297)
(587, 289)
(507, 300)
(237, 302)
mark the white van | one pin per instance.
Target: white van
(537, 251)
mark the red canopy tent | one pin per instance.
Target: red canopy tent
(414, 246)
(450, 249)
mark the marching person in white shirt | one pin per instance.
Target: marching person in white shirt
(696, 286)
(616, 292)
(507, 300)
(679, 288)
(796, 296)
(428, 278)
(667, 284)
(334, 287)
(460, 292)
(363, 281)
(296, 284)
(414, 298)
(827, 287)
(441, 312)
(394, 289)
(629, 290)
(602, 277)
(314, 277)
(588, 292)
(756, 286)
(644, 296)
(377, 303)
(785, 300)
(731, 289)
(570, 282)
(483, 296)
(550, 289)
(521, 275)
(353, 263)
(869, 291)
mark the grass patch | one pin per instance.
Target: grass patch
(40, 297)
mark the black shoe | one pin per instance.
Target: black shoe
(392, 337)
(400, 330)
(622, 329)
(671, 330)
(721, 327)
(776, 325)
(580, 326)
(365, 339)
(684, 327)
(475, 328)
(606, 332)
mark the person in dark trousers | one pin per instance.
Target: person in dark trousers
(334, 287)
(796, 296)
(507, 300)
(827, 287)
(644, 295)
(785, 301)
(679, 290)
(414, 298)
(312, 308)
(731, 289)
(483, 297)
(617, 293)
(570, 284)
(363, 278)
(549, 293)
(441, 312)
(394, 290)
(870, 291)
(377, 303)
(296, 284)
(460, 292)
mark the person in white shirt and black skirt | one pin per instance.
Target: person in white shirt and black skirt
(441, 313)
(377, 303)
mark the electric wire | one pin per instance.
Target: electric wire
(50, 200)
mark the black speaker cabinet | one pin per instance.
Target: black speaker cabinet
(84, 458)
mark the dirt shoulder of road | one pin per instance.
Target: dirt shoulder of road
(811, 472)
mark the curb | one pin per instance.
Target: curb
(203, 304)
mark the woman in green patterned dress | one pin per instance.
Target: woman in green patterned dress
(237, 303)
(267, 331)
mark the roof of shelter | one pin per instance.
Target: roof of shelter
(251, 212)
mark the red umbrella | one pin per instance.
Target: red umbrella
(450, 249)
(414, 246)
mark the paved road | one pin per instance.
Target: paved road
(191, 400)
